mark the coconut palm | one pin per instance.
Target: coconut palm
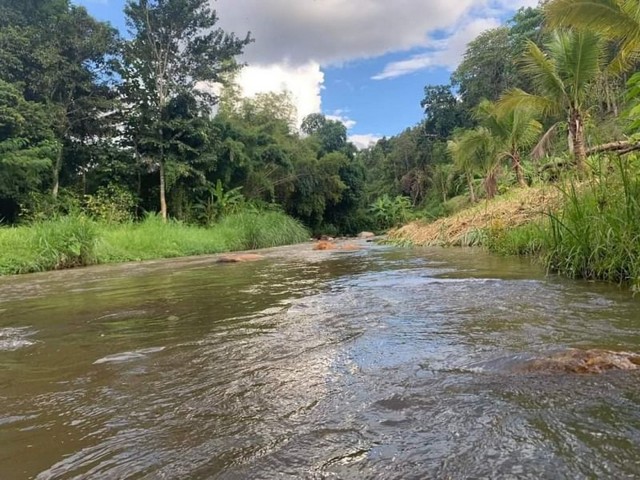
(513, 129)
(615, 19)
(561, 76)
(475, 150)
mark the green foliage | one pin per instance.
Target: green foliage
(529, 239)
(39, 207)
(75, 240)
(111, 204)
(618, 20)
(633, 96)
(390, 212)
(175, 44)
(63, 242)
(597, 233)
(219, 204)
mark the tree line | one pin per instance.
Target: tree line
(529, 99)
(153, 122)
(91, 119)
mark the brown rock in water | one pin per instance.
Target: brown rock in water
(366, 235)
(239, 258)
(585, 361)
(324, 245)
(350, 247)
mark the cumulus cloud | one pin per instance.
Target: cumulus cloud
(303, 82)
(296, 38)
(342, 116)
(364, 141)
(332, 31)
(442, 53)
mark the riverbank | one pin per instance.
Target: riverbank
(75, 241)
(589, 230)
(471, 226)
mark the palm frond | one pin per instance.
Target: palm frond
(543, 71)
(614, 19)
(542, 147)
(517, 98)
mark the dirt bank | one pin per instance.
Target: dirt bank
(517, 207)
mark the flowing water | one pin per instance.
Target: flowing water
(383, 363)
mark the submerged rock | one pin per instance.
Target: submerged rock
(241, 257)
(585, 361)
(350, 247)
(324, 245)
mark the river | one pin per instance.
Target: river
(381, 363)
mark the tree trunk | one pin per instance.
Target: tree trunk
(576, 131)
(56, 175)
(491, 185)
(517, 167)
(472, 193)
(163, 199)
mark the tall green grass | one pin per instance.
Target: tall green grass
(73, 241)
(597, 233)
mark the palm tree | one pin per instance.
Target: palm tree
(463, 162)
(475, 150)
(615, 19)
(561, 77)
(513, 129)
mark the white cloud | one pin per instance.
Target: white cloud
(332, 31)
(364, 141)
(341, 116)
(443, 53)
(294, 39)
(303, 82)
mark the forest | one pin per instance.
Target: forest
(116, 131)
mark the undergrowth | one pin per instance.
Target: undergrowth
(75, 240)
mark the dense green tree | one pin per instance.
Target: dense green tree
(28, 147)
(60, 56)
(443, 111)
(331, 134)
(487, 69)
(175, 46)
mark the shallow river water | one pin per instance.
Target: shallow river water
(383, 363)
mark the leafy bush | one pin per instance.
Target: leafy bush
(390, 212)
(44, 206)
(111, 204)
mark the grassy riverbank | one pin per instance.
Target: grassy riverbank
(588, 229)
(74, 241)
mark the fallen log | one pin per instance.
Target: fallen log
(621, 147)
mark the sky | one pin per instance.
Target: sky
(363, 62)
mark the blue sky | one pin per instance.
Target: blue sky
(365, 62)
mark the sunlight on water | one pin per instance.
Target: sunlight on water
(382, 363)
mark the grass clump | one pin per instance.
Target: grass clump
(63, 242)
(75, 240)
(597, 233)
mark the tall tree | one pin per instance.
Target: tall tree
(332, 134)
(562, 76)
(60, 56)
(487, 69)
(175, 47)
(443, 111)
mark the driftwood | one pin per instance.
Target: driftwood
(621, 147)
